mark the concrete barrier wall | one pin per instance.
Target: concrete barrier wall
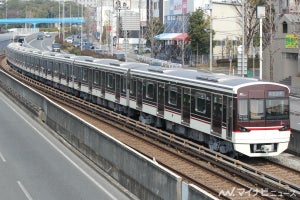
(294, 144)
(141, 176)
(196, 193)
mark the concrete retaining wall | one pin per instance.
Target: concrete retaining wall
(294, 144)
(140, 175)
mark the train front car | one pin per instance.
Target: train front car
(261, 126)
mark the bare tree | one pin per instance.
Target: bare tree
(154, 27)
(251, 22)
(252, 27)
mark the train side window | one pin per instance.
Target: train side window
(75, 73)
(36, 61)
(49, 66)
(123, 84)
(84, 74)
(64, 69)
(96, 77)
(200, 102)
(110, 81)
(56, 68)
(243, 110)
(257, 109)
(150, 90)
(132, 87)
(173, 95)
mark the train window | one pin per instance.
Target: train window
(63, 69)
(36, 61)
(56, 68)
(96, 77)
(200, 102)
(79, 73)
(277, 109)
(257, 109)
(75, 73)
(49, 66)
(243, 110)
(132, 87)
(123, 84)
(84, 74)
(150, 90)
(110, 81)
(173, 95)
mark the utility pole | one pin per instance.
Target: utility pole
(243, 37)
(100, 28)
(140, 34)
(260, 12)
(81, 28)
(6, 14)
(63, 24)
(210, 37)
(59, 19)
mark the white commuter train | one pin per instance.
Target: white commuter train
(230, 114)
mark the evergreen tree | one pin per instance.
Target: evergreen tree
(198, 31)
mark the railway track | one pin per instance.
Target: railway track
(223, 177)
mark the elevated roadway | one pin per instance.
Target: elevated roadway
(35, 21)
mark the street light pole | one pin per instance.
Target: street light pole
(210, 37)
(243, 37)
(6, 13)
(81, 28)
(63, 25)
(59, 27)
(260, 48)
(260, 13)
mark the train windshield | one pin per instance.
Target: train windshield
(261, 109)
(277, 109)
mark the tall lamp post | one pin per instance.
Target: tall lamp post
(6, 13)
(243, 37)
(210, 37)
(260, 13)
(122, 5)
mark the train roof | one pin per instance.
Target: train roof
(66, 55)
(204, 78)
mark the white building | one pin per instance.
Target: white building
(226, 22)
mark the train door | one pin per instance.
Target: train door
(102, 83)
(118, 87)
(59, 72)
(90, 80)
(139, 93)
(217, 113)
(186, 105)
(229, 117)
(161, 99)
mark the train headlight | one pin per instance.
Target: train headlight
(284, 128)
(243, 129)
